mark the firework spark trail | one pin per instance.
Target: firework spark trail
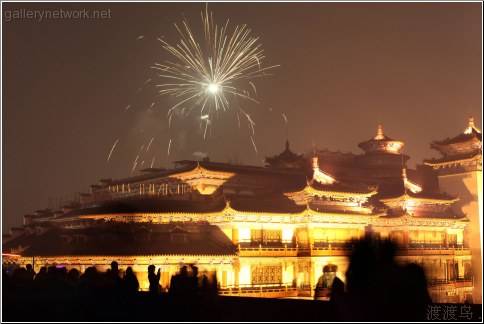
(253, 143)
(250, 122)
(287, 126)
(141, 149)
(152, 162)
(210, 72)
(134, 166)
(207, 122)
(150, 144)
(142, 164)
(112, 149)
(140, 37)
(253, 86)
(127, 107)
(169, 145)
(151, 107)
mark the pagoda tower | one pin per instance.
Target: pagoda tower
(286, 160)
(460, 173)
(383, 158)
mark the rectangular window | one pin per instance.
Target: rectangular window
(256, 235)
(266, 274)
(266, 236)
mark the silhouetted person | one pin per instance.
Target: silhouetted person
(51, 275)
(415, 295)
(61, 273)
(337, 299)
(40, 279)
(130, 282)
(325, 281)
(114, 281)
(30, 271)
(6, 280)
(88, 283)
(154, 279)
(205, 289)
(469, 300)
(337, 289)
(114, 269)
(209, 288)
(193, 280)
(73, 276)
(378, 289)
(178, 284)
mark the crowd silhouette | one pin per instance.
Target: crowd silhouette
(379, 289)
(376, 289)
(57, 293)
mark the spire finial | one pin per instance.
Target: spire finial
(379, 134)
(404, 176)
(471, 121)
(380, 129)
(315, 163)
(287, 145)
(471, 127)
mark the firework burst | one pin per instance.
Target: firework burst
(211, 74)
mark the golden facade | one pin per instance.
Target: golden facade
(263, 231)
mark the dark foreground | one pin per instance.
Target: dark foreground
(43, 306)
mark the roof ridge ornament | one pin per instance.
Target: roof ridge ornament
(320, 176)
(379, 134)
(409, 184)
(471, 126)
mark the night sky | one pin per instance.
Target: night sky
(67, 83)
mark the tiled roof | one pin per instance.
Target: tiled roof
(127, 239)
(268, 205)
(452, 158)
(461, 138)
(357, 188)
(150, 205)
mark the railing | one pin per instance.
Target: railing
(432, 251)
(262, 291)
(430, 244)
(460, 283)
(456, 283)
(332, 243)
(267, 251)
(330, 251)
(343, 250)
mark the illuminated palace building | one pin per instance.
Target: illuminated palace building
(278, 230)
